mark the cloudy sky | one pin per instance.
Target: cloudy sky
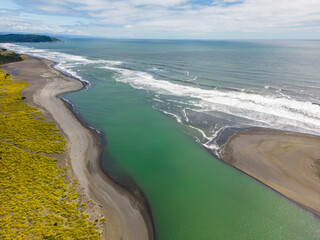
(169, 19)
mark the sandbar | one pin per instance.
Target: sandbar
(285, 161)
(125, 219)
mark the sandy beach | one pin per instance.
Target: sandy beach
(125, 217)
(284, 161)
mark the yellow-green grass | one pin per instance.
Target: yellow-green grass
(35, 199)
(317, 163)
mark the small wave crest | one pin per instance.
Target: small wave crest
(64, 62)
(179, 98)
(260, 110)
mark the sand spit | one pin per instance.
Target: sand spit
(284, 161)
(124, 220)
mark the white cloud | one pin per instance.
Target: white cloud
(17, 23)
(50, 8)
(143, 17)
(165, 3)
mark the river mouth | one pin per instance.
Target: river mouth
(191, 194)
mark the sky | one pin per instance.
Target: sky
(164, 19)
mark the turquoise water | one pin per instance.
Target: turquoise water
(193, 195)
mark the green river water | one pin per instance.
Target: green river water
(207, 85)
(192, 194)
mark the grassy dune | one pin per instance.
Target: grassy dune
(9, 56)
(37, 200)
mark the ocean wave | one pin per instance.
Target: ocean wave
(271, 107)
(65, 62)
(262, 109)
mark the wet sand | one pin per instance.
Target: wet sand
(124, 215)
(284, 161)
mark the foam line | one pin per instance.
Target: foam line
(65, 62)
(271, 111)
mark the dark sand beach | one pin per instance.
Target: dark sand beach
(125, 218)
(284, 161)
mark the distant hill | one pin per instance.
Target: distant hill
(11, 38)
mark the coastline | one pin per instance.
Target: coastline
(92, 167)
(281, 160)
(126, 218)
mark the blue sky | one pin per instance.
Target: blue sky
(165, 19)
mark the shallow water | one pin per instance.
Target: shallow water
(193, 195)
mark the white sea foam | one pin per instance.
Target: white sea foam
(157, 100)
(280, 111)
(264, 110)
(65, 62)
(157, 69)
(173, 115)
(185, 115)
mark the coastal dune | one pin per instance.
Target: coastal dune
(285, 161)
(124, 218)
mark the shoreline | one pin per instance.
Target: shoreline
(126, 217)
(281, 160)
(139, 208)
(135, 195)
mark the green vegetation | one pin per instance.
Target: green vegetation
(8, 56)
(36, 201)
(26, 38)
(317, 164)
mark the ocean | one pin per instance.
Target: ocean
(166, 106)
